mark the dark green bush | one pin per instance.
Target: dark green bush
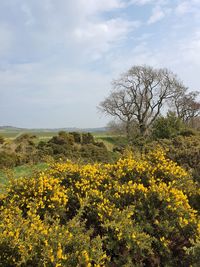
(87, 138)
(77, 137)
(8, 160)
(2, 140)
(167, 127)
(94, 153)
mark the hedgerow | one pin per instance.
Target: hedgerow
(135, 212)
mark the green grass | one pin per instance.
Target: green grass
(21, 171)
(111, 141)
(10, 135)
(39, 134)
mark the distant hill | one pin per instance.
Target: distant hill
(72, 129)
(10, 128)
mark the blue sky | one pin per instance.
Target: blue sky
(58, 57)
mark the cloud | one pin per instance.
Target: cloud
(96, 6)
(157, 15)
(188, 6)
(57, 58)
(182, 56)
(60, 96)
(77, 28)
(6, 40)
(141, 2)
(102, 36)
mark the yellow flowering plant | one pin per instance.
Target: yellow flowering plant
(135, 212)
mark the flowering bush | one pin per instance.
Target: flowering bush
(136, 212)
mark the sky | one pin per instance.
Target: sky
(59, 57)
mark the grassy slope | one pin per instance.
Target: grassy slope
(40, 135)
(111, 141)
(21, 171)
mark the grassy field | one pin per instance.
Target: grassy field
(21, 171)
(41, 135)
(111, 141)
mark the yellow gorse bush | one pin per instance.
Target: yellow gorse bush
(136, 212)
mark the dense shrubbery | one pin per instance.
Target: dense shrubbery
(25, 149)
(185, 150)
(2, 140)
(167, 127)
(7, 160)
(136, 212)
(75, 146)
(20, 151)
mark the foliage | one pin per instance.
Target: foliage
(135, 212)
(185, 150)
(7, 160)
(167, 127)
(74, 146)
(87, 138)
(77, 137)
(2, 140)
(25, 149)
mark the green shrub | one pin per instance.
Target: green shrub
(135, 212)
(8, 160)
(167, 127)
(87, 138)
(77, 137)
(2, 140)
(94, 153)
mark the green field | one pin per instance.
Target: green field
(41, 135)
(21, 171)
(111, 140)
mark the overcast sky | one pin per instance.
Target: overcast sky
(58, 57)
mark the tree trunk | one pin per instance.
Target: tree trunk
(142, 129)
(128, 134)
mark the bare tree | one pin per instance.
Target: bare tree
(119, 128)
(139, 94)
(119, 105)
(115, 127)
(186, 105)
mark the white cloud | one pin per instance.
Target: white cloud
(58, 57)
(183, 8)
(182, 56)
(77, 27)
(102, 36)
(157, 14)
(59, 95)
(6, 40)
(141, 2)
(190, 50)
(29, 16)
(95, 6)
(188, 6)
